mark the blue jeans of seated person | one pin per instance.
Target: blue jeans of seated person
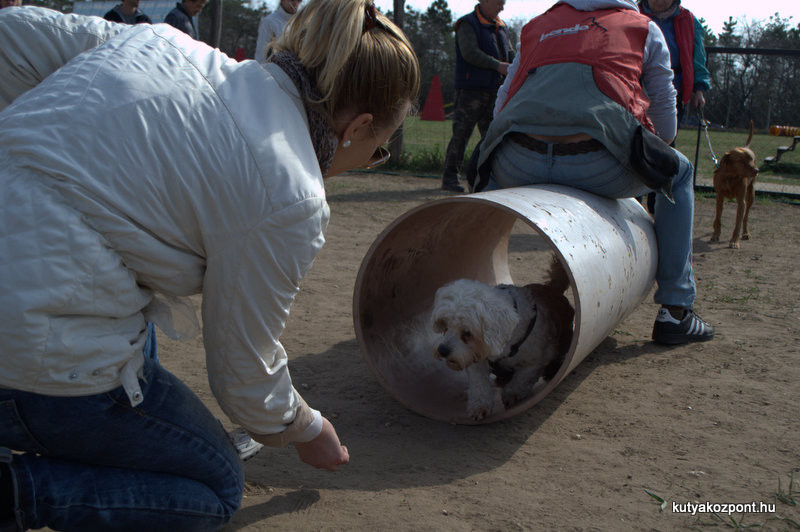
(600, 173)
(96, 463)
(150, 349)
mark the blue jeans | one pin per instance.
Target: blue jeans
(96, 463)
(600, 173)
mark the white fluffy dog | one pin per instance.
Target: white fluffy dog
(506, 337)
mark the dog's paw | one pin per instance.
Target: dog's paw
(510, 398)
(715, 237)
(480, 408)
(479, 414)
(745, 236)
(734, 244)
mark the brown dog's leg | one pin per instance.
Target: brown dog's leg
(717, 219)
(749, 199)
(737, 228)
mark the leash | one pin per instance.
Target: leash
(702, 120)
(696, 151)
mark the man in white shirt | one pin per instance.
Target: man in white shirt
(272, 26)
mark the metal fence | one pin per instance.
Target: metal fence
(756, 84)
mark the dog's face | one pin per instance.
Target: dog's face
(739, 162)
(475, 321)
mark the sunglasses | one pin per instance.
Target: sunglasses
(378, 158)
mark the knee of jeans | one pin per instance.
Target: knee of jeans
(685, 171)
(232, 500)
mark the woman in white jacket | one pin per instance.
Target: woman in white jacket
(144, 170)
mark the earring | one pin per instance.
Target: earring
(346, 144)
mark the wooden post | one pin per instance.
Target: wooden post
(216, 23)
(396, 142)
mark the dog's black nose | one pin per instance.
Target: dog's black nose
(444, 350)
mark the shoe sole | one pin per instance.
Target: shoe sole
(250, 453)
(677, 339)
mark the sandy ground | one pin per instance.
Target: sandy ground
(710, 423)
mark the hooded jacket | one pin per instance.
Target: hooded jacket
(563, 98)
(143, 171)
(656, 71)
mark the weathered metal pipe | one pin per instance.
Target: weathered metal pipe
(607, 247)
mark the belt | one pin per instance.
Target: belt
(570, 148)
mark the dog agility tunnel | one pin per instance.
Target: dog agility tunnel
(607, 248)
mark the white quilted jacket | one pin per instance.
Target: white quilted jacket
(151, 165)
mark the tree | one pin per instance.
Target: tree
(762, 87)
(433, 38)
(396, 142)
(709, 39)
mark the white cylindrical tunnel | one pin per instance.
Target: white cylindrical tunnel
(607, 247)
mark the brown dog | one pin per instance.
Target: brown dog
(735, 177)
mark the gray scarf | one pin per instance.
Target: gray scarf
(323, 136)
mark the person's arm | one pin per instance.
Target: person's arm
(701, 75)
(657, 83)
(472, 53)
(35, 42)
(502, 92)
(248, 288)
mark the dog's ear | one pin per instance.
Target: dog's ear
(442, 306)
(498, 322)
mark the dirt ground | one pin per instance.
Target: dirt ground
(706, 423)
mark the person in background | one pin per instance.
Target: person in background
(124, 191)
(588, 101)
(182, 16)
(685, 39)
(10, 3)
(272, 26)
(127, 12)
(483, 53)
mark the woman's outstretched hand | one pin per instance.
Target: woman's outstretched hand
(325, 451)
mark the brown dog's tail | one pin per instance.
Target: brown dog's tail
(750, 136)
(558, 278)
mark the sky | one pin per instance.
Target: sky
(715, 12)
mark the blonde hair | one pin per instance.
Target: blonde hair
(359, 59)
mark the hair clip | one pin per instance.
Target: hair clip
(370, 17)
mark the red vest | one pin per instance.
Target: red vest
(611, 41)
(684, 36)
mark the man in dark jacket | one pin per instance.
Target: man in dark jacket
(127, 12)
(183, 13)
(483, 53)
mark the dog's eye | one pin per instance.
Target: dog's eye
(465, 335)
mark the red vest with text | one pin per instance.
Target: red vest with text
(611, 41)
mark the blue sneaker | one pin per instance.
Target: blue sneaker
(669, 331)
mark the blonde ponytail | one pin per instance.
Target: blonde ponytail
(358, 58)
